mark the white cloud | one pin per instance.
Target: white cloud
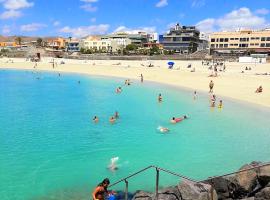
(262, 11)
(207, 25)
(6, 29)
(9, 14)
(162, 3)
(198, 3)
(241, 18)
(83, 31)
(89, 7)
(32, 27)
(135, 30)
(56, 23)
(93, 19)
(16, 4)
(90, 1)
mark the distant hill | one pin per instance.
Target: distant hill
(24, 38)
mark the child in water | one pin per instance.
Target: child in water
(220, 105)
(159, 98)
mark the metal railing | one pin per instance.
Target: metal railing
(158, 169)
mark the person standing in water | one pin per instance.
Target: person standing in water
(159, 98)
(195, 95)
(220, 105)
(116, 115)
(211, 86)
(101, 191)
(141, 78)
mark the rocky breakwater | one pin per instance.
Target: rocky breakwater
(252, 182)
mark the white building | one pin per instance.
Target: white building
(97, 43)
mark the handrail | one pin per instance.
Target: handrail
(134, 174)
(152, 166)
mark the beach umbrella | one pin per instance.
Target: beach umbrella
(170, 63)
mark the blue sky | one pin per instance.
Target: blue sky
(79, 18)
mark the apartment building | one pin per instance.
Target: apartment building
(241, 41)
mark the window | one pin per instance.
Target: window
(244, 39)
(213, 40)
(226, 39)
(253, 38)
(231, 44)
(217, 40)
(212, 46)
(243, 45)
(251, 44)
(257, 38)
(216, 45)
(268, 39)
(236, 45)
(262, 45)
(221, 39)
(231, 38)
(257, 44)
(267, 44)
(221, 46)
(236, 38)
(225, 45)
(263, 39)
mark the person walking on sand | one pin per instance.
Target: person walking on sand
(211, 86)
(141, 78)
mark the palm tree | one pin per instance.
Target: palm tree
(39, 42)
(18, 40)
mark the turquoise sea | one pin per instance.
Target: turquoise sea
(50, 149)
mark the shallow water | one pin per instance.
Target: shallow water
(50, 149)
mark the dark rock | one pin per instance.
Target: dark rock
(170, 193)
(264, 175)
(196, 191)
(141, 195)
(264, 194)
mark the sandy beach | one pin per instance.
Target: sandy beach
(231, 83)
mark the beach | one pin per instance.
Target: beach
(231, 83)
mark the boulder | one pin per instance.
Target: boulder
(196, 191)
(264, 194)
(247, 179)
(221, 186)
(264, 175)
(170, 193)
(141, 195)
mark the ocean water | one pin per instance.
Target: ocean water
(50, 149)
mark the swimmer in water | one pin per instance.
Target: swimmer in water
(118, 90)
(159, 98)
(176, 120)
(95, 119)
(113, 165)
(163, 129)
(112, 120)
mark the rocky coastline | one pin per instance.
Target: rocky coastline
(252, 184)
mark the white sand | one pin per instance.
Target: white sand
(231, 83)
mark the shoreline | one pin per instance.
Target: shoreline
(231, 84)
